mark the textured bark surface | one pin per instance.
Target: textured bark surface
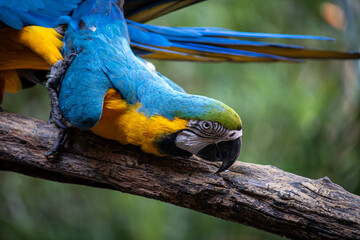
(261, 196)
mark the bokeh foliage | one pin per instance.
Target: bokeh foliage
(302, 118)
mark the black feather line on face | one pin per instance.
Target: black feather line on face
(208, 129)
(166, 145)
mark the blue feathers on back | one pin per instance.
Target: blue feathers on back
(105, 60)
(101, 38)
(45, 13)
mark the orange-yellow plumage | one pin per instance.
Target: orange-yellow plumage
(121, 122)
(45, 42)
(11, 80)
(32, 47)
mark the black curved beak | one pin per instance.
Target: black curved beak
(226, 152)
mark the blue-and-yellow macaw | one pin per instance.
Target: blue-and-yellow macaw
(110, 90)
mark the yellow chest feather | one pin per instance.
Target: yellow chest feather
(121, 122)
(32, 47)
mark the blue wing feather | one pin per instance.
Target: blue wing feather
(46, 13)
(10, 18)
(137, 35)
(217, 32)
(223, 32)
(221, 44)
(228, 51)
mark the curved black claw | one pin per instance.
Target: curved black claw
(60, 140)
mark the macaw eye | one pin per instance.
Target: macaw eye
(206, 125)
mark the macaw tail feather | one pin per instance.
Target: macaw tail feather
(218, 45)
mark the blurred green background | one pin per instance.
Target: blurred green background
(302, 118)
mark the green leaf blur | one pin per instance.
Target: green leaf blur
(302, 118)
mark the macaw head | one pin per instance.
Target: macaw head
(213, 132)
(188, 125)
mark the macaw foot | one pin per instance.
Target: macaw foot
(60, 140)
(53, 86)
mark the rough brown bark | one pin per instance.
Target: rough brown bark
(256, 195)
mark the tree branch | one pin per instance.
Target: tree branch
(260, 196)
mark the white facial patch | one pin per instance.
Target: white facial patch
(191, 142)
